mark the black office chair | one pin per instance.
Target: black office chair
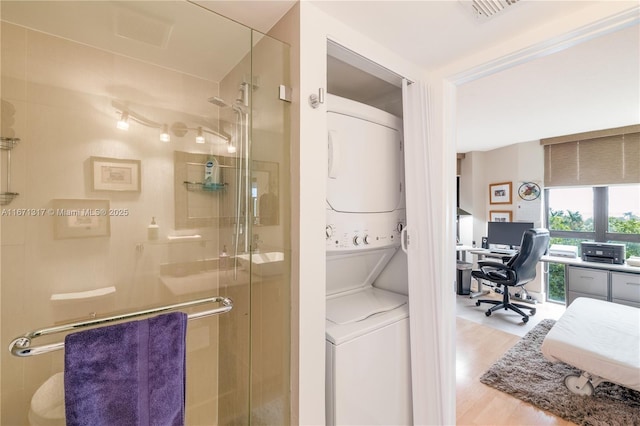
(518, 271)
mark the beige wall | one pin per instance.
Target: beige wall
(523, 162)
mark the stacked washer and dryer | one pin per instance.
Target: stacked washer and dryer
(368, 364)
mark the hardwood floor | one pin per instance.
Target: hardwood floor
(478, 347)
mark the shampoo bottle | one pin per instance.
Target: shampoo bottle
(153, 230)
(211, 175)
(208, 173)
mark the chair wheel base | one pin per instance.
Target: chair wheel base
(525, 319)
(478, 303)
(488, 313)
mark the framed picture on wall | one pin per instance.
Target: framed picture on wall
(500, 193)
(80, 218)
(500, 215)
(114, 174)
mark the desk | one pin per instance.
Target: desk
(596, 265)
(462, 249)
(481, 253)
(604, 281)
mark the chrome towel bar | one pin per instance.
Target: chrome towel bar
(21, 346)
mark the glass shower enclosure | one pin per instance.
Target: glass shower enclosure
(145, 158)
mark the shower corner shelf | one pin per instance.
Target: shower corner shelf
(7, 197)
(204, 187)
(7, 144)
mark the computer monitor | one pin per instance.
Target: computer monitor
(507, 233)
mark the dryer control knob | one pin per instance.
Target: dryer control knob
(367, 239)
(357, 240)
(328, 231)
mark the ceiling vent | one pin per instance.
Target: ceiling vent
(483, 10)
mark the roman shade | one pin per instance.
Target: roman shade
(605, 157)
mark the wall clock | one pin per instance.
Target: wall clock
(529, 191)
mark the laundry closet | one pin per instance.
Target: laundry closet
(368, 364)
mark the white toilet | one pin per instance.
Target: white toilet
(47, 403)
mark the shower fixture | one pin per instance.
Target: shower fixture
(244, 94)
(240, 145)
(237, 106)
(218, 102)
(240, 114)
(241, 101)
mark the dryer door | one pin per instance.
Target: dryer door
(365, 165)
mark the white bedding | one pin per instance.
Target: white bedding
(601, 338)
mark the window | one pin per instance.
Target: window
(571, 209)
(602, 214)
(623, 224)
(624, 209)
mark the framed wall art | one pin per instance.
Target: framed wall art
(529, 191)
(500, 193)
(114, 174)
(500, 215)
(80, 218)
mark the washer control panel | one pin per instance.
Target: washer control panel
(360, 231)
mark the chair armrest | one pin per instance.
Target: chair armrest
(492, 264)
(494, 271)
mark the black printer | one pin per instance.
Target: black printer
(603, 252)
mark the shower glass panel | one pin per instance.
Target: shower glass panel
(270, 230)
(151, 169)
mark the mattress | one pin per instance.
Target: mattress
(601, 338)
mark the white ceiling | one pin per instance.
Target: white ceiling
(591, 86)
(432, 33)
(594, 85)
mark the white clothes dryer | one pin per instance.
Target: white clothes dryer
(368, 370)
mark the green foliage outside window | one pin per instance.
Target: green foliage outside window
(569, 221)
(628, 224)
(560, 220)
(556, 282)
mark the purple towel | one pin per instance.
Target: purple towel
(127, 374)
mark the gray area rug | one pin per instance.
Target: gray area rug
(524, 373)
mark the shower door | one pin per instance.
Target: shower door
(132, 172)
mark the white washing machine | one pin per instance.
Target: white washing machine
(368, 369)
(368, 376)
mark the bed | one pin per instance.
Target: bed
(600, 338)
